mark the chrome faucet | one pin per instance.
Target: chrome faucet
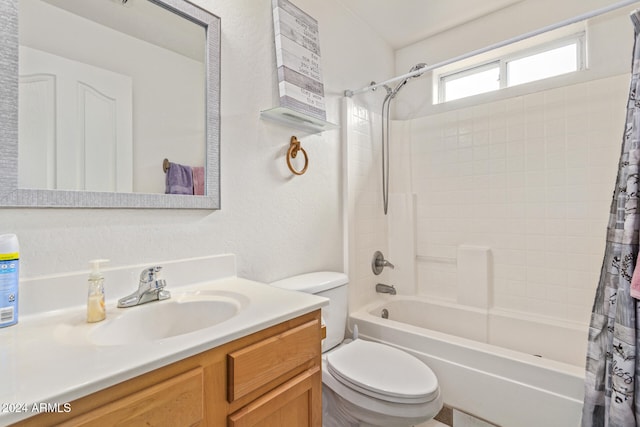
(150, 288)
(378, 263)
(385, 289)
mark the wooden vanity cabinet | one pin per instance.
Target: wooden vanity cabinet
(271, 378)
(291, 355)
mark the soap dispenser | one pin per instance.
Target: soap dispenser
(95, 300)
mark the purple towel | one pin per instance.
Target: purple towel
(198, 180)
(179, 179)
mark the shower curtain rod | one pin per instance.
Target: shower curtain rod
(577, 18)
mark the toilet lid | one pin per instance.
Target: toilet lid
(383, 372)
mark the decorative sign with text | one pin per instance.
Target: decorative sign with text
(298, 60)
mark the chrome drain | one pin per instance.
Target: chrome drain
(385, 313)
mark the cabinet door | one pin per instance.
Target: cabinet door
(178, 401)
(296, 403)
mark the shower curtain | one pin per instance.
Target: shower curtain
(612, 367)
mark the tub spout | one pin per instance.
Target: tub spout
(385, 289)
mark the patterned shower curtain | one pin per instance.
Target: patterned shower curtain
(612, 367)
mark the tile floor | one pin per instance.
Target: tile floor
(431, 423)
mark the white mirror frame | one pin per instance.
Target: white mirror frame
(12, 196)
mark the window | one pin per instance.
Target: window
(541, 62)
(552, 62)
(471, 82)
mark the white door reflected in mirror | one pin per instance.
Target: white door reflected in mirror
(75, 127)
(101, 138)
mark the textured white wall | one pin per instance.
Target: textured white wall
(277, 224)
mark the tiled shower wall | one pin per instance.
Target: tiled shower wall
(531, 177)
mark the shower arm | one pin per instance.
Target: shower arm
(578, 18)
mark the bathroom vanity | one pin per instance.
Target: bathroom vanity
(271, 377)
(257, 365)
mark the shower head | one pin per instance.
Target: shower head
(416, 67)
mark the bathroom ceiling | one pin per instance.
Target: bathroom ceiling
(142, 19)
(404, 22)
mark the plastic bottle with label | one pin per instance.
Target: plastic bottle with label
(9, 279)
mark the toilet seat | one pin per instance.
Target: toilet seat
(383, 372)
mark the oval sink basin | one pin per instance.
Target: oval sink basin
(182, 314)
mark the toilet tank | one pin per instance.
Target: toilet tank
(330, 285)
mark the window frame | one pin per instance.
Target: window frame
(579, 39)
(467, 71)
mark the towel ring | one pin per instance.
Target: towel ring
(294, 147)
(165, 165)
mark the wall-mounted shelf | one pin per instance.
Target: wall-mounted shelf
(289, 117)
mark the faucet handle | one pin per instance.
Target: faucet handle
(384, 263)
(148, 275)
(378, 263)
(150, 288)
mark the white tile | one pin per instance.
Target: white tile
(473, 275)
(516, 132)
(515, 105)
(555, 96)
(578, 176)
(499, 107)
(498, 136)
(480, 138)
(534, 100)
(531, 173)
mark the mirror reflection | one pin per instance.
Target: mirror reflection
(107, 92)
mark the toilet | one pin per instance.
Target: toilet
(365, 383)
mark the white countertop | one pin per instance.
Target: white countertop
(37, 366)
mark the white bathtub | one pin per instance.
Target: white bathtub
(478, 374)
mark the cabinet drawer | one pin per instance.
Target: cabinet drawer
(177, 401)
(294, 403)
(258, 364)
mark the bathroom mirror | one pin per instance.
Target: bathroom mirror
(171, 109)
